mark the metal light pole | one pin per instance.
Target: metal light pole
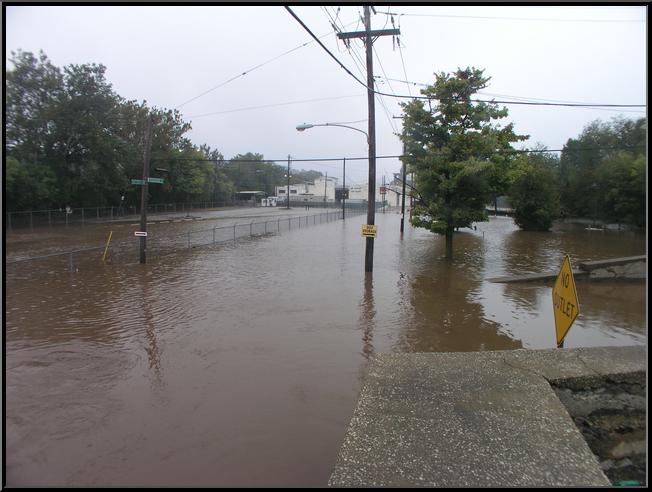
(145, 191)
(288, 194)
(403, 195)
(305, 126)
(343, 187)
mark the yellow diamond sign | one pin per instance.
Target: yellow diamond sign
(564, 301)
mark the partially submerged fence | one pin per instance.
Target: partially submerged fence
(128, 251)
(95, 215)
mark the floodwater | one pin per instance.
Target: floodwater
(240, 364)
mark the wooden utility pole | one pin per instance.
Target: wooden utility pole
(367, 34)
(343, 188)
(288, 207)
(145, 190)
(403, 194)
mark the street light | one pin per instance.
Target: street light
(371, 194)
(305, 126)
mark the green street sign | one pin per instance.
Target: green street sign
(137, 182)
(155, 180)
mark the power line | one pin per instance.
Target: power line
(511, 18)
(249, 71)
(339, 159)
(274, 105)
(453, 100)
(524, 98)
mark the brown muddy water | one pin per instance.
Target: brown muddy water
(240, 364)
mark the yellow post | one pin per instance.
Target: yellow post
(107, 245)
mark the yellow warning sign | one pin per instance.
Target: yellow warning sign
(369, 230)
(564, 300)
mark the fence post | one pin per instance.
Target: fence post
(251, 229)
(234, 226)
(279, 226)
(265, 227)
(188, 239)
(71, 262)
(214, 234)
(66, 217)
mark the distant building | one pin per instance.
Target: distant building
(322, 189)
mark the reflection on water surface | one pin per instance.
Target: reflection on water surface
(241, 364)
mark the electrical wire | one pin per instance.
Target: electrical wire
(400, 52)
(339, 159)
(251, 70)
(511, 18)
(274, 105)
(524, 98)
(453, 100)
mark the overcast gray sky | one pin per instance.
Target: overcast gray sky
(168, 55)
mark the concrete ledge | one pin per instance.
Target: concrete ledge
(536, 277)
(625, 268)
(474, 419)
(592, 265)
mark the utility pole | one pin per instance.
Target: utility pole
(371, 189)
(288, 207)
(403, 194)
(145, 190)
(343, 187)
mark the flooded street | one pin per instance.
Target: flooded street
(240, 364)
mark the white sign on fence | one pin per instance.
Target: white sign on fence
(140, 233)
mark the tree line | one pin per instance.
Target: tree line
(462, 159)
(71, 140)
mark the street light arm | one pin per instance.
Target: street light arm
(345, 126)
(305, 126)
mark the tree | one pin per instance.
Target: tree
(453, 151)
(622, 181)
(74, 141)
(28, 185)
(32, 89)
(581, 158)
(534, 192)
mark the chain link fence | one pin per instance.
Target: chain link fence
(95, 215)
(128, 251)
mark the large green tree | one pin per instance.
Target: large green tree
(456, 151)
(72, 140)
(581, 184)
(534, 191)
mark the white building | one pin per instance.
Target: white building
(321, 190)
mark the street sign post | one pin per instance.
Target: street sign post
(137, 182)
(369, 230)
(564, 301)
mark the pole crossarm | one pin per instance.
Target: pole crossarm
(373, 33)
